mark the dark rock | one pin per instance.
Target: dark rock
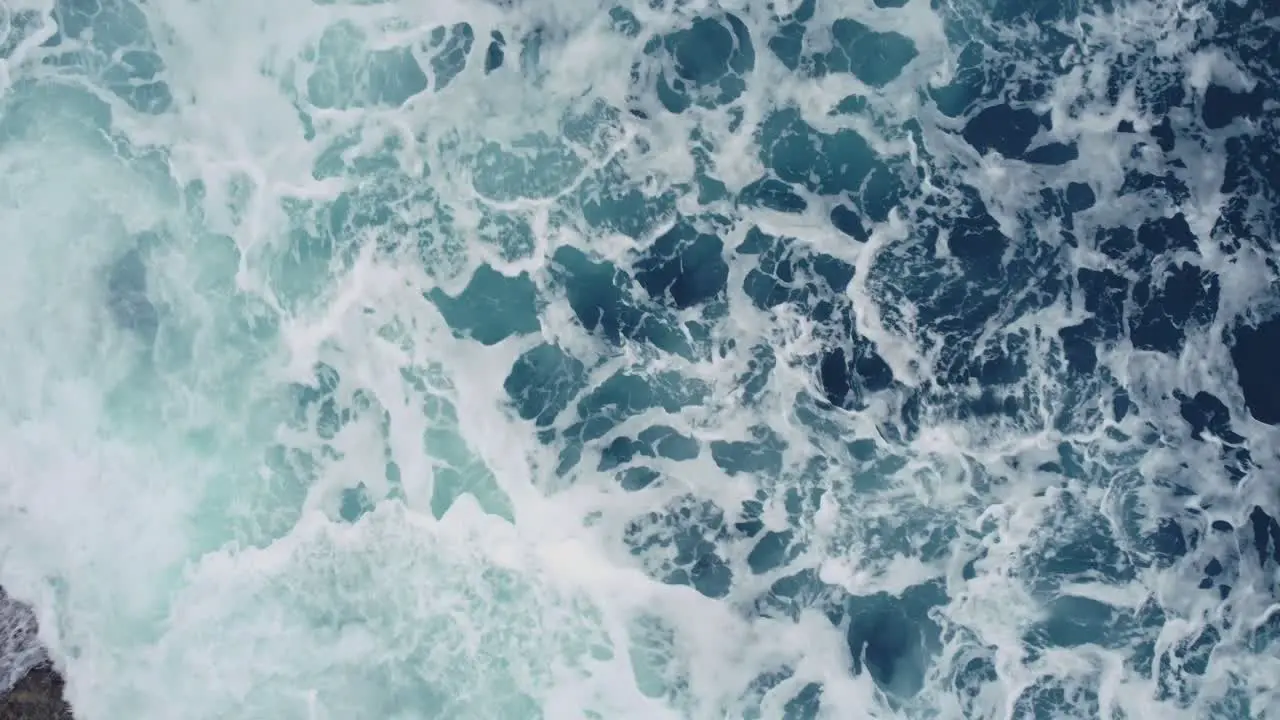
(37, 696)
(19, 645)
(36, 692)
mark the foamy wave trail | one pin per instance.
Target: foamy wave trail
(669, 359)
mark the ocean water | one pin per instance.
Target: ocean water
(559, 360)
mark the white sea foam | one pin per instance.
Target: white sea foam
(180, 530)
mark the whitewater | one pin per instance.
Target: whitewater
(661, 360)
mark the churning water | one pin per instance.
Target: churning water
(514, 359)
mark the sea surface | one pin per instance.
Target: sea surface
(666, 360)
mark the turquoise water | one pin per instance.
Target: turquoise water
(680, 360)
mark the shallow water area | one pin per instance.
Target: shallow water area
(689, 360)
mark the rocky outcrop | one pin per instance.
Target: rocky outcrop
(37, 696)
(30, 688)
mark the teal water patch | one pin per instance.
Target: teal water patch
(543, 382)
(348, 74)
(712, 60)
(685, 265)
(492, 307)
(347, 78)
(604, 300)
(655, 441)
